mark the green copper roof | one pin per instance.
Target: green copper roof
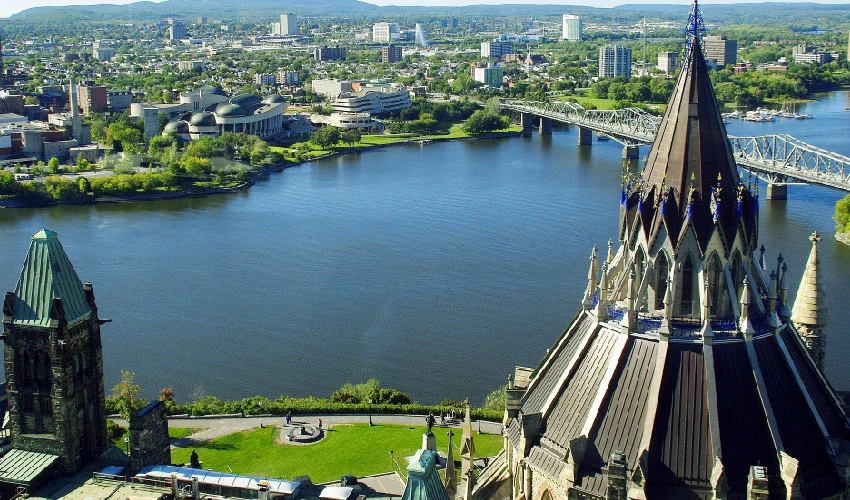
(423, 481)
(47, 274)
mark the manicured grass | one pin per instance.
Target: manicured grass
(181, 432)
(348, 449)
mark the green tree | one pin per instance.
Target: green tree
(325, 137)
(842, 215)
(84, 185)
(53, 165)
(495, 400)
(482, 121)
(350, 136)
(126, 395)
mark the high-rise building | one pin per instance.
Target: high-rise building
(264, 79)
(53, 365)
(329, 53)
(496, 49)
(177, 30)
(572, 28)
(385, 32)
(721, 50)
(93, 99)
(490, 75)
(288, 25)
(287, 77)
(391, 53)
(668, 61)
(685, 374)
(615, 60)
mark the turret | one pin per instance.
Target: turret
(810, 315)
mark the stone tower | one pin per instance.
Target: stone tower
(810, 315)
(53, 360)
(686, 378)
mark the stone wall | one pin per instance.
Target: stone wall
(149, 440)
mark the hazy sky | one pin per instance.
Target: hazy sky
(9, 7)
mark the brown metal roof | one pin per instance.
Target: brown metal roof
(691, 148)
(551, 371)
(620, 426)
(570, 410)
(798, 429)
(681, 448)
(825, 404)
(744, 434)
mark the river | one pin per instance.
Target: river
(433, 268)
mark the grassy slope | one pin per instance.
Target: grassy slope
(348, 449)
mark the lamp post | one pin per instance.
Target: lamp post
(370, 412)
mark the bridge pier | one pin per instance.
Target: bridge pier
(777, 191)
(525, 123)
(631, 152)
(545, 126)
(585, 136)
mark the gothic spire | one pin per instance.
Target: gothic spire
(809, 314)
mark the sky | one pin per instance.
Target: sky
(9, 7)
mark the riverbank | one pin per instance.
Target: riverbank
(260, 173)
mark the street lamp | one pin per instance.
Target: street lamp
(370, 412)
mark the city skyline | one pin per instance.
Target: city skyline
(8, 9)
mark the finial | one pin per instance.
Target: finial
(815, 238)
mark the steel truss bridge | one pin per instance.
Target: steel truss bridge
(775, 158)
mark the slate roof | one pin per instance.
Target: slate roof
(23, 467)
(47, 274)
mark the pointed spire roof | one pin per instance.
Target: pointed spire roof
(691, 148)
(48, 274)
(423, 481)
(810, 304)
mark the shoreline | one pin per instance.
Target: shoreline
(261, 173)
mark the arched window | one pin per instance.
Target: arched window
(27, 367)
(717, 288)
(662, 274)
(737, 270)
(687, 297)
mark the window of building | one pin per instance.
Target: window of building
(662, 273)
(687, 298)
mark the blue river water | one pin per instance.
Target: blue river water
(432, 268)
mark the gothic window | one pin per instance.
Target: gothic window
(662, 274)
(27, 402)
(39, 368)
(46, 405)
(717, 289)
(77, 362)
(687, 299)
(737, 269)
(27, 375)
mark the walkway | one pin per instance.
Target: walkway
(217, 427)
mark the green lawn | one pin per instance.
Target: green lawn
(181, 432)
(348, 449)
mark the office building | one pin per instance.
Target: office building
(495, 49)
(615, 60)
(330, 88)
(719, 49)
(329, 53)
(391, 53)
(119, 100)
(667, 61)
(93, 99)
(264, 79)
(385, 32)
(572, 28)
(176, 30)
(490, 75)
(286, 77)
(288, 25)
(373, 98)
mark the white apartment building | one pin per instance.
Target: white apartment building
(385, 32)
(571, 28)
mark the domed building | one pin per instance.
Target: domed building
(244, 114)
(179, 128)
(685, 375)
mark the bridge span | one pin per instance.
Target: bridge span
(778, 159)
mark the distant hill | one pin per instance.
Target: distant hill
(265, 10)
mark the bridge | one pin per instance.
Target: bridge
(778, 159)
